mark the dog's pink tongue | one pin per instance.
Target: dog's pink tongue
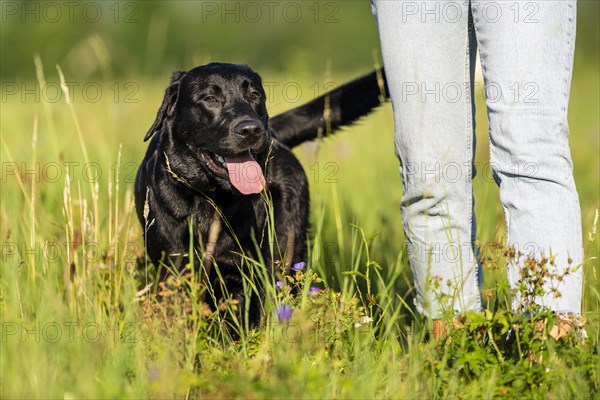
(245, 173)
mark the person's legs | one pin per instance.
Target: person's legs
(526, 52)
(428, 52)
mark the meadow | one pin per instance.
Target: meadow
(79, 311)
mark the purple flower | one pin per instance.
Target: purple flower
(313, 290)
(299, 266)
(279, 284)
(284, 312)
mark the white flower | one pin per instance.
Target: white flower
(365, 319)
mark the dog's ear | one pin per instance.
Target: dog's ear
(168, 105)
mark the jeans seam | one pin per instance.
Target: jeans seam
(469, 147)
(491, 146)
(570, 37)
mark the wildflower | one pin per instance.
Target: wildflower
(299, 266)
(313, 290)
(284, 312)
(279, 284)
(365, 319)
(489, 294)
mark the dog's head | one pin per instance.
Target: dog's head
(214, 118)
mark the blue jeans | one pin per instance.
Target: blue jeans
(526, 50)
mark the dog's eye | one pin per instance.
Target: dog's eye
(212, 100)
(254, 96)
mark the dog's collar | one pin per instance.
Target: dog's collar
(182, 180)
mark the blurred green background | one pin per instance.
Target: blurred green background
(152, 38)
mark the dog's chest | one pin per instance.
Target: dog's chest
(239, 222)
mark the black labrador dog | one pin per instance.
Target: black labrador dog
(214, 162)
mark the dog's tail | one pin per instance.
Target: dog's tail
(335, 109)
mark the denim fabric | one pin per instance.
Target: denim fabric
(526, 49)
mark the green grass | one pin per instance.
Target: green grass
(77, 323)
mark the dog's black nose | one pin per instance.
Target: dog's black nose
(249, 128)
